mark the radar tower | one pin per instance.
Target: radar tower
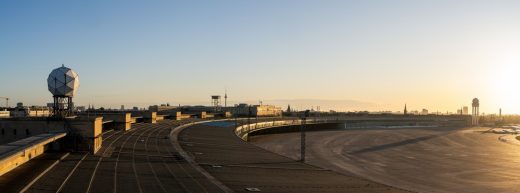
(62, 83)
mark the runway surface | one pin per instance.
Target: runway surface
(423, 160)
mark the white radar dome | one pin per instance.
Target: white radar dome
(63, 82)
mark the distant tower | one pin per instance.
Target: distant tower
(63, 83)
(225, 99)
(475, 111)
(500, 113)
(405, 110)
(465, 110)
(288, 108)
(215, 102)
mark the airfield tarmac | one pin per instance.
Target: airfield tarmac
(416, 159)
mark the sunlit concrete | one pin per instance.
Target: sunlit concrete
(423, 160)
(139, 160)
(17, 153)
(86, 129)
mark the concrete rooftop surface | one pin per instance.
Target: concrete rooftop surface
(240, 165)
(145, 159)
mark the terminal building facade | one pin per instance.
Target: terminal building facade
(257, 110)
(30, 112)
(237, 110)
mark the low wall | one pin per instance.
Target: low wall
(270, 127)
(150, 117)
(14, 129)
(17, 153)
(121, 121)
(84, 133)
(281, 126)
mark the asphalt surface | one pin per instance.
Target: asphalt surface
(140, 160)
(423, 160)
(240, 165)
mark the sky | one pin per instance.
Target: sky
(342, 55)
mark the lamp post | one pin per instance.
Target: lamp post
(236, 121)
(248, 123)
(302, 136)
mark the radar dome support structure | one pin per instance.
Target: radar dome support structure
(63, 83)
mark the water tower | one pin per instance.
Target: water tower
(475, 111)
(63, 83)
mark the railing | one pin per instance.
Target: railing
(243, 131)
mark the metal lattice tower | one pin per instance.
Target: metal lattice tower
(215, 102)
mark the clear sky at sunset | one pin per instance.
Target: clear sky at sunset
(429, 54)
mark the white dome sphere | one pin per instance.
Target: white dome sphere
(63, 82)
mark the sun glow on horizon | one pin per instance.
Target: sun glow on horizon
(505, 86)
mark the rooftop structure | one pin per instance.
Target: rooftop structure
(215, 102)
(63, 83)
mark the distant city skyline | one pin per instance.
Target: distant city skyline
(356, 55)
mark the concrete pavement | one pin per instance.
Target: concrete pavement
(417, 159)
(240, 165)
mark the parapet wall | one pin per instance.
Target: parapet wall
(121, 121)
(89, 130)
(17, 153)
(14, 129)
(271, 127)
(85, 132)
